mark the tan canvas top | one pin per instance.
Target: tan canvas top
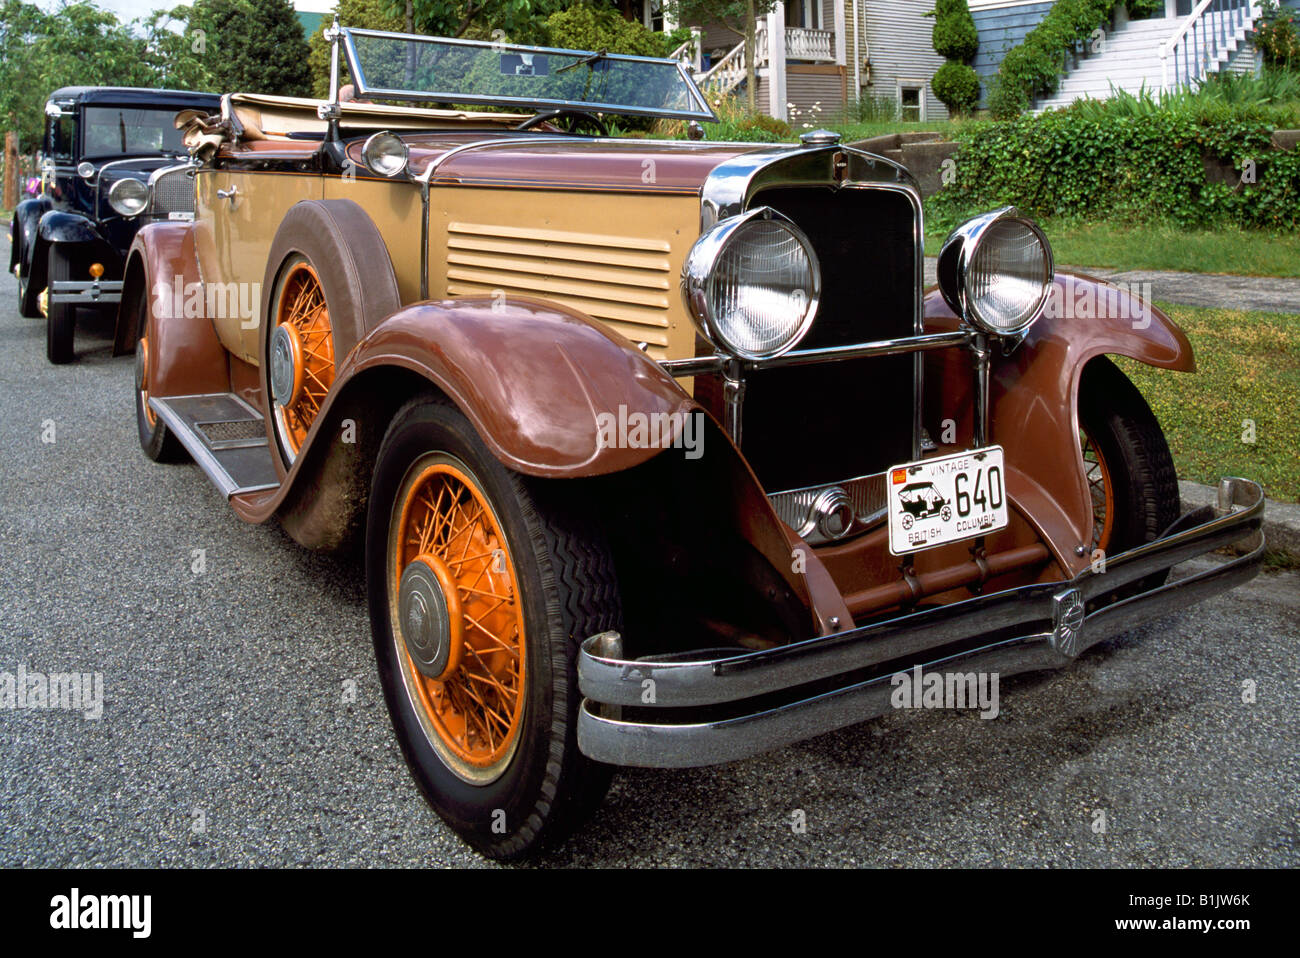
(257, 116)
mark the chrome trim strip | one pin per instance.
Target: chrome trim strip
(698, 365)
(616, 742)
(1032, 611)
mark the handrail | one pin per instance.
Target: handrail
(1182, 31)
(1209, 32)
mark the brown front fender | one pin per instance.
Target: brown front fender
(533, 378)
(1035, 390)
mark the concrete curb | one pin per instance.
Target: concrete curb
(1281, 519)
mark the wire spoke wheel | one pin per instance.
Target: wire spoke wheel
(302, 355)
(469, 683)
(1101, 489)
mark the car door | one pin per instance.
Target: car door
(237, 212)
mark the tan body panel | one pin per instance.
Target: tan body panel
(233, 238)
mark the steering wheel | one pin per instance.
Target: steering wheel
(575, 115)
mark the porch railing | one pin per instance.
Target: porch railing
(1209, 32)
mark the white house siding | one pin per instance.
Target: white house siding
(901, 49)
(814, 86)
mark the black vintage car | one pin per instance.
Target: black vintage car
(112, 159)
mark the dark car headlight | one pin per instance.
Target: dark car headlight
(128, 196)
(996, 271)
(752, 284)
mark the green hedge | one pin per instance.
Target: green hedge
(957, 86)
(954, 35)
(1076, 163)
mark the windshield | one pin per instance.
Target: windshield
(454, 72)
(115, 130)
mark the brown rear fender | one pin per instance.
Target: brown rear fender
(1035, 390)
(184, 355)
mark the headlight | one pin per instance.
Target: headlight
(996, 271)
(128, 196)
(385, 154)
(752, 284)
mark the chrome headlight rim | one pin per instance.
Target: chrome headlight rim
(373, 154)
(699, 274)
(957, 256)
(122, 203)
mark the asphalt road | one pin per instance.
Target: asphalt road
(225, 738)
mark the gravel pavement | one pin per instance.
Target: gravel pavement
(227, 739)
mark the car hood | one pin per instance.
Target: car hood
(673, 166)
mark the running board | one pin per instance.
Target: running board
(225, 435)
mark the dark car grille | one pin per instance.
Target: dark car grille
(834, 421)
(173, 193)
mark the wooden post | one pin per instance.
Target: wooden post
(11, 171)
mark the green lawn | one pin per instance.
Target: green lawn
(1248, 369)
(1247, 253)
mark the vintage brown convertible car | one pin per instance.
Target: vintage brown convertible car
(607, 521)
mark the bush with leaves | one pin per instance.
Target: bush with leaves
(1278, 36)
(1034, 67)
(1121, 163)
(957, 86)
(582, 27)
(954, 36)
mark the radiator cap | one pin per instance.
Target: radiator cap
(819, 138)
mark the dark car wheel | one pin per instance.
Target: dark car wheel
(157, 441)
(1129, 468)
(482, 584)
(60, 318)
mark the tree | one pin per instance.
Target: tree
(520, 20)
(74, 45)
(371, 14)
(254, 47)
(738, 16)
(177, 52)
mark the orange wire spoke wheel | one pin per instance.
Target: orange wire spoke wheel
(458, 621)
(142, 360)
(301, 355)
(1101, 489)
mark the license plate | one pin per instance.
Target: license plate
(946, 499)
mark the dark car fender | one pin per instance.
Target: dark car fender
(538, 381)
(1034, 396)
(58, 228)
(23, 231)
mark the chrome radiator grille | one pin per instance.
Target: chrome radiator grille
(173, 192)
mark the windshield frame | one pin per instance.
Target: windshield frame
(702, 112)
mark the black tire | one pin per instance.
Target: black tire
(157, 441)
(60, 318)
(568, 592)
(1134, 456)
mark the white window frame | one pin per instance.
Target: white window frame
(909, 83)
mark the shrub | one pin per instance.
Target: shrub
(1278, 36)
(584, 27)
(1115, 162)
(957, 86)
(1034, 67)
(954, 34)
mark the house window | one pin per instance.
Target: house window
(911, 101)
(804, 13)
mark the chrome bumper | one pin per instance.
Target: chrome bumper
(693, 709)
(86, 293)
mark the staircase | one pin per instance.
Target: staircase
(1159, 54)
